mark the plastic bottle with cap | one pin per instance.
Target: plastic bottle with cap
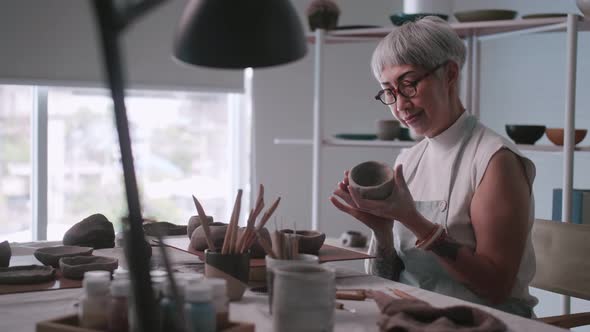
(119, 306)
(199, 310)
(93, 312)
(168, 307)
(220, 300)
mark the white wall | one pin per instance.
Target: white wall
(523, 82)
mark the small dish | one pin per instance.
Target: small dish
(401, 18)
(358, 137)
(310, 242)
(51, 255)
(555, 135)
(525, 134)
(74, 267)
(485, 15)
(26, 274)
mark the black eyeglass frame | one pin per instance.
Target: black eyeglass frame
(413, 84)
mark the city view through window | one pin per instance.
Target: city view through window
(184, 143)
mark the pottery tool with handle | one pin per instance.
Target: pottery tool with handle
(204, 223)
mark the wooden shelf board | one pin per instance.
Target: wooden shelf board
(406, 144)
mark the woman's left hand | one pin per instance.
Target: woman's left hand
(399, 205)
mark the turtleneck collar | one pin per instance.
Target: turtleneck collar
(452, 135)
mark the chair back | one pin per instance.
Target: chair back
(561, 251)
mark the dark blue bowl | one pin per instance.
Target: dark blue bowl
(399, 19)
(525, 134)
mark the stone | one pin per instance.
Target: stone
(5, 254)
(52, 255)
(195, 222)
(163, 228)
(198, 241)
(95, 231)
(74, 267)
(26, 274)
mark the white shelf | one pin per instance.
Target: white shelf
(479, 29)
(335, 142)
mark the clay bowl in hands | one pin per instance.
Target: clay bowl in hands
(372, 180)
(525, 134)
(310, 242)
(555, 135)
(51, 255)
(74, 267)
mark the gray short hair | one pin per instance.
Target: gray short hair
(427, 42)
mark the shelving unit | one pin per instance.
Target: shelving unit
(473, 33)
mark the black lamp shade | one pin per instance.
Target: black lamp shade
(239, 34)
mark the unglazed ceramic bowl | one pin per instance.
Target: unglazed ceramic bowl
(51, 255)
(388, 130)
(310, 242)
(555, 135)
(372, 180)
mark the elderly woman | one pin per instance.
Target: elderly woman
(459, 219)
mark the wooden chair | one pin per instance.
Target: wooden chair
(561, 251)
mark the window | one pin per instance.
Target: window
(16, 108)
(184, 143)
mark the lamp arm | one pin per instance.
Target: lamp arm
(128, 14)
(110, 24)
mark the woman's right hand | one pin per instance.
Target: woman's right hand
(379, 225)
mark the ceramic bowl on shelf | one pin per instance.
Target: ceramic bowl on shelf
(485, 15)
(525, 134)
(401, 18)
(555, 135)
(388, 130)
(584, 6)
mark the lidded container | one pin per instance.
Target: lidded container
(93, 310)
(199, 309)
(220, 300)
(119, 306)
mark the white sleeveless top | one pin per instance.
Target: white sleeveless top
(433, 160)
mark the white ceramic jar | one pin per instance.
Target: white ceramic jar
(303, 298)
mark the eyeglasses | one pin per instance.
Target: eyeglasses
(406, 88)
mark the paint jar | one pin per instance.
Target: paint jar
(199, 309)
(93, 310)
(220, 300)
(119, 306)
(169, 314)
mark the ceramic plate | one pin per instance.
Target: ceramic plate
(400, 18)
(485, 15)
(544, 15)
(26, 274)
(360, 137)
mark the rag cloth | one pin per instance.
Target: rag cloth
(412, 315)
